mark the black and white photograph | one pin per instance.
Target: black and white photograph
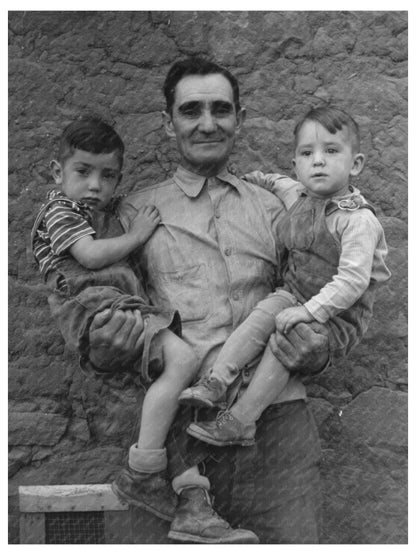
(207, 275)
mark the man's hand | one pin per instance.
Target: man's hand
(304, 349)
(116, 338)
(291, 316)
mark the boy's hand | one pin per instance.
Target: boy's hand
(289, 317)
(145, 222)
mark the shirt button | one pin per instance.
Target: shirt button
(217, 215)
(236, 296)
(227, 252)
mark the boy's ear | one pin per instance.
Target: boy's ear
(358, 164)
(56, 171)
(168, 124)
(294, 167)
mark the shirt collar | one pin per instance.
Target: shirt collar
(191, 183)
(353, 192)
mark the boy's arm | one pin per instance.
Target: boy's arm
(359, 239)
(98, 253)
(285, 188)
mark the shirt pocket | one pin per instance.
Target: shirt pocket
(299, 233)
(185, 289)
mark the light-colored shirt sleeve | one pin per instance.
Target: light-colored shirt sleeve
(363, 251)
(284, 187)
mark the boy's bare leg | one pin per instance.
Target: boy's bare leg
(161, 400)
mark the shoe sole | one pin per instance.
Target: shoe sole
(198, 402)
(131, 501)
(199, 434)
(191, 538)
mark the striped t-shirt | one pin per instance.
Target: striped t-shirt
(60, 223)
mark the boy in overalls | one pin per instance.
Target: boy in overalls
(82, 252)
(336, 252)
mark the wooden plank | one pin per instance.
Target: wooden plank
(32, 528)
(83, 497)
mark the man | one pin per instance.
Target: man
(213, 258)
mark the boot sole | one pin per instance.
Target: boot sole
(212, 441)
(198, 402)
(132, 501)
(184, 537)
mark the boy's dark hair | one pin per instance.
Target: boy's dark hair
(196, 65)
(91, 134)
(333, 119)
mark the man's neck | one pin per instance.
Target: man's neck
(204, 171)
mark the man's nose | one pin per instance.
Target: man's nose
(207, 122)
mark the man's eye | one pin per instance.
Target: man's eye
(190, 112)
(223, 110)
(82, 171)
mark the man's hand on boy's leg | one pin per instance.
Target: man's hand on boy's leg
(305, 349)
(116, 338)
(291, 316)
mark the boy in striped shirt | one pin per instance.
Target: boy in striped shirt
(82, 252)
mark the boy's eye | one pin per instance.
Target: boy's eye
(305, 153)
(110, 176)
(332, 150)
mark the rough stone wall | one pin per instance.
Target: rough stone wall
(68, 429)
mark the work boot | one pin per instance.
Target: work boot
(197, 522)
(225, 430)
(207, 392)
(151, 492)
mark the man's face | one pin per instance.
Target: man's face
(204, 122)
(87, 177)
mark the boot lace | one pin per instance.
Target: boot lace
(223, 417)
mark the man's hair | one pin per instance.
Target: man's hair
(196, 66)
(333, 119)
(92, 134)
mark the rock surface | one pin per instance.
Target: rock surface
(65, 428)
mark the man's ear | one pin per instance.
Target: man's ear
(168, 124)
(240, 116)
(56, 171)
(358, 164)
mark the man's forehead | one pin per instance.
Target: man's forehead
(203, 88)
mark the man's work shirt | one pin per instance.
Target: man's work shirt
(213, 257)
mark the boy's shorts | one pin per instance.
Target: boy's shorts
(80, 294)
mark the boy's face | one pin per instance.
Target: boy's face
(324, 161)
(89, 178)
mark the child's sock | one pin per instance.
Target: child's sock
(190, 478)
(147, 460)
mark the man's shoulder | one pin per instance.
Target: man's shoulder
(147, 189)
